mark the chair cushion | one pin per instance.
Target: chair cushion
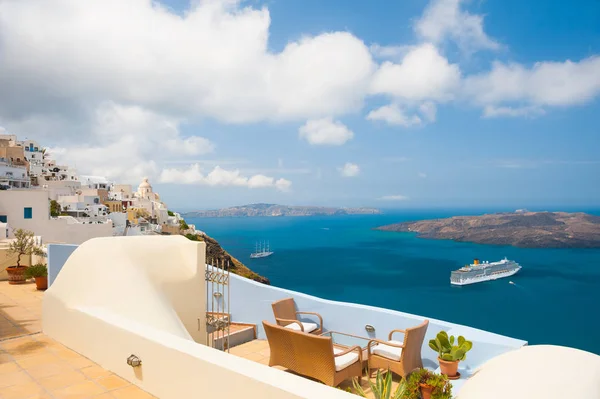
(389, 352)
(341, 362)
(308, 327)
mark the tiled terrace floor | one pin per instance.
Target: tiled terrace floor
(35, 366)
(258, 351)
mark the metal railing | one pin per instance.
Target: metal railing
(218, 311)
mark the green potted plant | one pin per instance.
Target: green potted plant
(39, 272)
(23, 245)
(424, 384)
(382, 388)
(449, 354)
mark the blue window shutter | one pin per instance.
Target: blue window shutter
(27, 213)
(3, 219)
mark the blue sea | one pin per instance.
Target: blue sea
(555, 298)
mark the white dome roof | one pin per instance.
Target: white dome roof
(539, 371)
(144, 183)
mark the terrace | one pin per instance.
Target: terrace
(155, 298)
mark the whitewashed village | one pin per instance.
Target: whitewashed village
(58, 205)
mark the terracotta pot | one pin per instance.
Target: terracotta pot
(41, 283)
(16, 274)
(426, 391)
(448, 368)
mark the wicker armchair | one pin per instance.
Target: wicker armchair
(287, 316)
(400, 357)
(312, 355)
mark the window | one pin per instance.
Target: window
(3, 219)
(27, 213)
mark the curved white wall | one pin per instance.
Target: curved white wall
(145, 296)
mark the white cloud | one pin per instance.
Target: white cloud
(394, 198)
(428, 110)
(221, 177)
(393, 115)
(422, 175)
(213, 61)
(126, 143)
(349, 169)
(389, 52)
(544, 84)
(423, 74)
(445, 20)
(325, 131)
(491, 111)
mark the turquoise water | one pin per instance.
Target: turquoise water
(554, 300)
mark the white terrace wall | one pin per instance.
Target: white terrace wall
(251, 303)
(145, 296)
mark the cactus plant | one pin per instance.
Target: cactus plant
(446, 349)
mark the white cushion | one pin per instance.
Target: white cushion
(341, 362)
(308, 327)
(390, 352)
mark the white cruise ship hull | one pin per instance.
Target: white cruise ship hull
(480, 279)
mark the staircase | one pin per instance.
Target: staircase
(238, 333)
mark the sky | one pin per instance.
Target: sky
(392, 104)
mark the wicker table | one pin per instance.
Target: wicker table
(343, 340)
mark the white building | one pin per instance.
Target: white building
(30, 210)
(146, 198)
(13, 176)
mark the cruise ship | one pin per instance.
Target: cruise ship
(478, 272)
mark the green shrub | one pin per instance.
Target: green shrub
(442, 389)
(170, 213)
(38, 270)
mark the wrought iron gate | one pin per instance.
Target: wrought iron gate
(218, 314)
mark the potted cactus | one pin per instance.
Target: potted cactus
(449, 354)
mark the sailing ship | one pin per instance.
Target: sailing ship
(261, 251)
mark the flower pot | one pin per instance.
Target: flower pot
(16, 274)
(448, 368)
(41, 283)
(426, 391)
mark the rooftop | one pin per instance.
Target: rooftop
(33, 365)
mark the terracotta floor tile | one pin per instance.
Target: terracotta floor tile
(5, 358)
(21, 348)
(9, 367)
(23, 391)
(255, 357)
(38, 360)
(131, 392)
(48, 370)
(62, 380)
(15, 378)
(94, 372)
(106, 395)
(112, 382)
(82, 390)
(80, 362)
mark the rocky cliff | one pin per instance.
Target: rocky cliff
(216, 255)
(519, 229)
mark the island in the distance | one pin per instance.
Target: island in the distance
(279, 210)
(520, 229)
